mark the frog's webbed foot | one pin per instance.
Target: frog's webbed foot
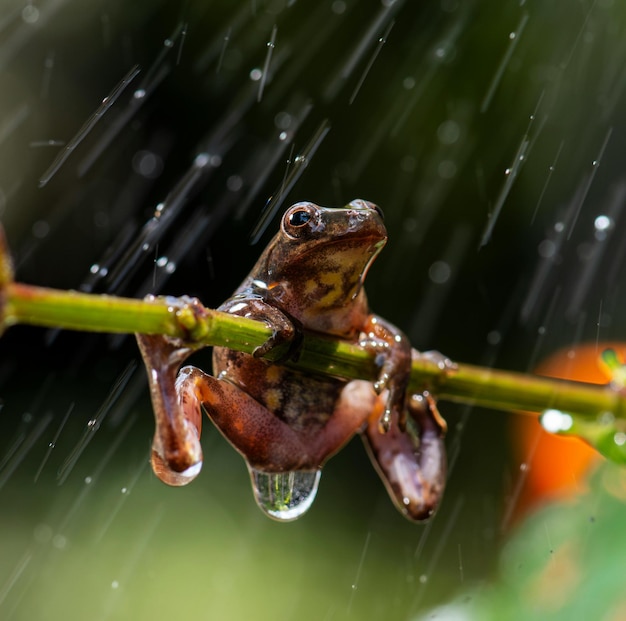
(411, 462)
(393, 356)
(176, 453)
(285, 342)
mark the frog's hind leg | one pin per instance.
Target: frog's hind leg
(264, 440)
(411, 461)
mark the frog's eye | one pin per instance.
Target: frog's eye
(301, 221)
(299, 217)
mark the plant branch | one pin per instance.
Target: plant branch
(24, 304)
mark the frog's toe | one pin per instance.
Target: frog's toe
(176, 452)
(162, 351)
(284, 345)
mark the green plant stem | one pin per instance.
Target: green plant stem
(24, 304)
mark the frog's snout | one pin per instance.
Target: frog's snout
(359, 203)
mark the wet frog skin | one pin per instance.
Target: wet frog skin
(286, 423)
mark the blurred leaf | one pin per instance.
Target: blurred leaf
(566, 562)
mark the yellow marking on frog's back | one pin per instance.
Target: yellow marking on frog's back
(273, 399)
(273, 374)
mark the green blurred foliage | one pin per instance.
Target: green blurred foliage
(566, 562)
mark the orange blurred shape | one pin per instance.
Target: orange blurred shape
(555, 466)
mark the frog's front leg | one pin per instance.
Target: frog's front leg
(176, 453)
(284, 329)
(411, 461)
(393, 355)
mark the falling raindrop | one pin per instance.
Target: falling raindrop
(285, 496)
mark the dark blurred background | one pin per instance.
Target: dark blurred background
(490, 133)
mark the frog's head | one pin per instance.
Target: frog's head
(317, 262)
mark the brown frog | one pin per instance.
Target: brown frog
(287, 423)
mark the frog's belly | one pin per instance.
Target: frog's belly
(304, 401)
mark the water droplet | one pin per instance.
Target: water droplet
(40, 229)
(59, 542)
(147, 164)
(234, 183)
(285, 496)
(30, 14)
(606, 418)
(547, 249)
(494, 337)
(446, 169)
(449, 132)
(439, 272)
(555, 421)
(603, 223)
(202, 159)
(283, 120)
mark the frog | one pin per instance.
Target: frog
(285, 422)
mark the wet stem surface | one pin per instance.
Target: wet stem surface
(142, 147)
